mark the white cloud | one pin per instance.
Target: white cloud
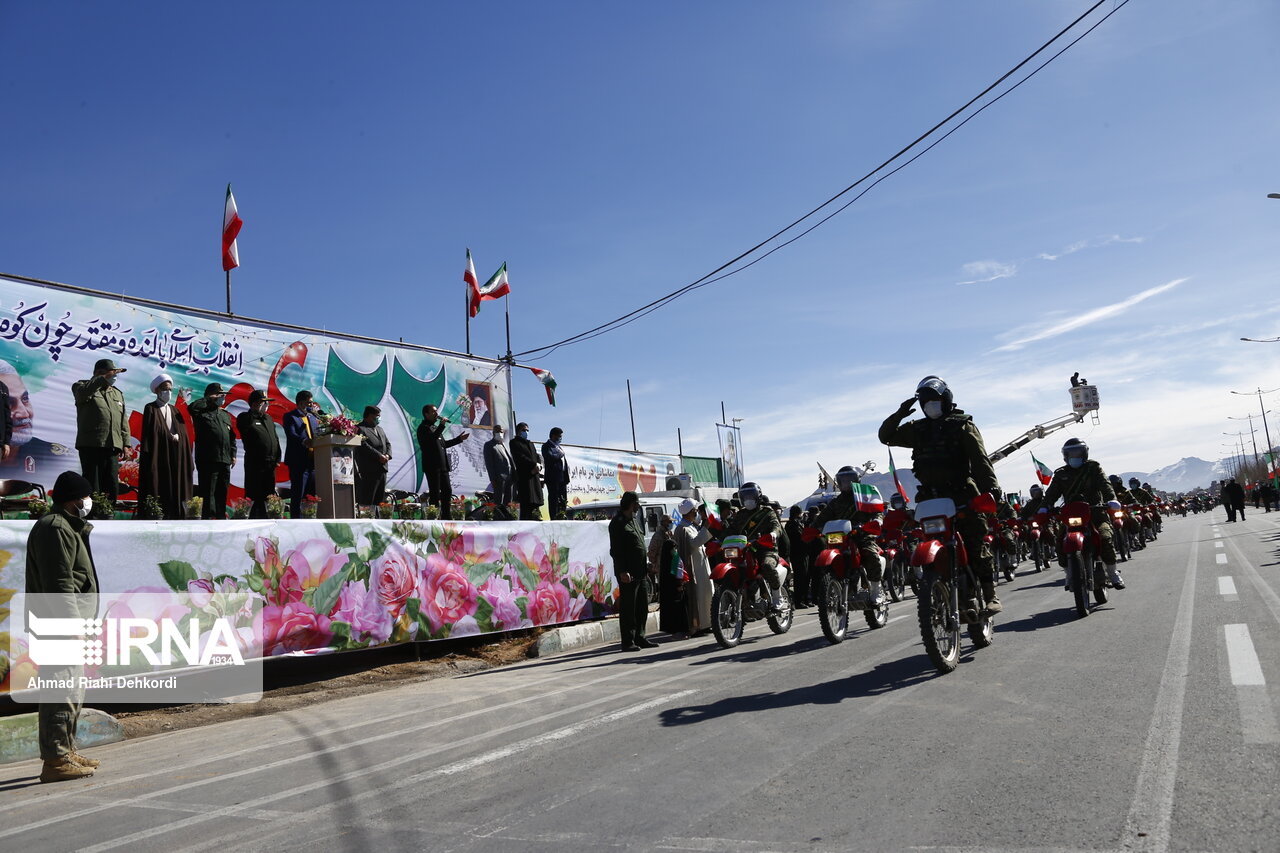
(1095, 243)
(984, 271)
(1105, 312)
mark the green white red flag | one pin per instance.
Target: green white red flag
(469, 275)
(495, 288)
(1043, 472)
(896, 482)
(231, 223)
(868, 498)
(548, 381)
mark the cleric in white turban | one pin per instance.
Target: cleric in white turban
(164, 454)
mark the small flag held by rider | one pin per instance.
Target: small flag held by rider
(1043, 472)
(868, 498)
(896, 482)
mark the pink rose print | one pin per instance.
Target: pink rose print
(471, 547)
(395, 575)
(364, 612)
(294, 627)
(503, 599)
(551, 603)
(446, 595)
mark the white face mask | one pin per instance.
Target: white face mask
(1075, 462)
(163, 397)
(932, 409)
(85, 507)
(750, 503)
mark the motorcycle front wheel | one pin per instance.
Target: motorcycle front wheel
(726, 616)
(1100, 585)
(877, 617)
(940, 635)
(895, 579)
(1038, 556)
(833, 609)
(1079, 584)
(781, 623)
(1009, 566)
(982, 632)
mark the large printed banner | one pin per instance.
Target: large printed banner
(731, 453)
(601, 474)
(341, 585)
(50, 337)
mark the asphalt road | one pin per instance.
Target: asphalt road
(1148, 725)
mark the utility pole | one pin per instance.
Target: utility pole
(633, 418)
(1253, 434)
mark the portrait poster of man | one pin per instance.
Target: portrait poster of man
(731, 453)
(480, 397)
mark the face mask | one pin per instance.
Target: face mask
(163, 397)
(111, 380)
(750, 503)
(1075, 462)
(260, 408)
(498, 436)
(932, 409)
(85, 507)
(524, 433)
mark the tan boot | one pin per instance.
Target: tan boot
(993, 601)
(64, 769)
(84, 760)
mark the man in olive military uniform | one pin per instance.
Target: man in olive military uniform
(261, 452)
(631, 568)
(62, 583)
(950, 461)
(215, 450)
(757, 521)
(102, 427)
(1082, 479)
(846, 506)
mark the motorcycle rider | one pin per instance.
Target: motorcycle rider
(1082, 479)
(847, 506)
(759, 523)
(950, 461)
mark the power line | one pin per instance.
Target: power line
(715, 275)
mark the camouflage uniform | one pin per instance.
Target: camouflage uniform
(1086, 483)
(950, 461)
(754, 523)
(845, 506)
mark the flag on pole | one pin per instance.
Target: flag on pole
(896, 482)
(495, 288)
(868, 498)
(1043, 472)
(231, 223)
(548, 381)
(469, 274)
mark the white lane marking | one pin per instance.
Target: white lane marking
(405, 758)
(1257, 715)
(1217, 536)
(1265, 592)
(1243, 660)
(1222, 559)
(1219, 545)
(1227, 586)
(1152, 805)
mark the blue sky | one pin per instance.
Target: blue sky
(1110, 216)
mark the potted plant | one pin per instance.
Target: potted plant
(310, 506)
(37, 508)
(152, 508)
(194, 506)
(275, 506)
(103, 506)
(239, 508)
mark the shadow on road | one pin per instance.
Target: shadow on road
(19, 784)
(1044, 619)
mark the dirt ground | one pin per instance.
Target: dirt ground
(297, 683)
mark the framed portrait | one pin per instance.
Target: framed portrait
(480, 408)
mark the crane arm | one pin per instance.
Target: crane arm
(1036, 432)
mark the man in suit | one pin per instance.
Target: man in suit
(528, 481)
(300, 427)
(435, 458)
(215, 450)
(261, 452)
(372, 459)
(102, 427)
(556, 472)
(501, 468)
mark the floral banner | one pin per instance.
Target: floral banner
(350, 585)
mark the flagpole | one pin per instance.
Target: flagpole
(467, 311)
(228, 293)
(507, 301)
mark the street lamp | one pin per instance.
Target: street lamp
(1265, 429)
(1273, 195)
(1253, 432)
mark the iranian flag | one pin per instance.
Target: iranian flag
(231, 223)
(548, 381)
(896, 482)
(495, 288)
(1043, 473)
(469, 275)
(868, 498)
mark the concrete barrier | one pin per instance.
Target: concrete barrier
(571, 637)
(19, 735)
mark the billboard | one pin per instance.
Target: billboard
(51, 335)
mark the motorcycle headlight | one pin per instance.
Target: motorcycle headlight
(934, 526)
(835, 538)
(1118, 514)
(1035, 525)
(732, 553)
(1075, 522)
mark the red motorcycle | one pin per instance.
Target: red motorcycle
(1080, 546)
(950, 593)
(741, 593)
(1035, 539)
(844, 583)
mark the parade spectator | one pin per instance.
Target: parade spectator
(261, 452)
(1233, 499)
(373, 458)
(215, 450)
(62, 578)
(626, 547)
(300, 428)
(691, 538)
(436, 466)
(164, 452)
(528, 480)
(654, 551)
(102, 427)
(501, 469)
(556, 468)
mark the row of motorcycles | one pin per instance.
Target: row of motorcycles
(929, 557)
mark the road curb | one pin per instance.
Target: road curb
(20, 741)
(571, 637)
